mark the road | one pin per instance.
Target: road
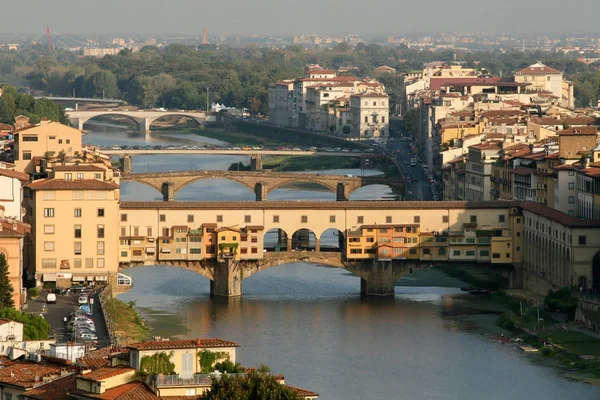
(419, 187)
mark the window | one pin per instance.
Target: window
(26, 155)
(383, 120)
(77, 247)
(456, 253)
(412, 251)
(101, 212)
(470, 253)
(149, 231)
(123, 217)
(77, 195)
(123, 231)
(97, 176)
(163, 218)
(68, 176)
(78, 231)
(332, 219)
(124, 254)
(582, 240)
(496, 255)
(49, 229)
(254, 250)
(219, 218)
(470, 240)
(374, 119)
(78, 213)
(60, 141)
(247, 219)
(68, 141)
(417, 219)
(77, 261)
(571, 199)
(444, 219)
(571, 173)
(89, 263)
(355, 251)
(196, 239)
(80, 175)
(48, 262)
(196, 251)
(254, 239)
(190, 218)
(165, 232)
(360, 220)
(100, 248)
(441, 251)
(275, 219)
(48, 246)
(388, 219)
(571, 185)
(473, 219)
(484, 253)
(49, 195)
(427, 252)
(304, 219)
(501, 218)
(30, 138)
(101, 231)
(366, 119)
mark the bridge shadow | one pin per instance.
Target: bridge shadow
(215, 189)
(374, 192)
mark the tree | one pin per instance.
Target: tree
(158, 363)
(35, 327)
(62, 157)
(6, 288)
(6, 117)
(208, 359)
(252, 386)
(102, 83)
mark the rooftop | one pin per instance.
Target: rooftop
(79, 167)
(78, 184)
(105, 373)
(27, 374)
(580, 130)
(557, 216)
(537, 69)
(135, 390)
(58, 389)
(182, 344)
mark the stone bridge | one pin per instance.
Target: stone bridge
(377, 278)
(143, 118)
(261, 182)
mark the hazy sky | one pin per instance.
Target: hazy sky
(289, 17)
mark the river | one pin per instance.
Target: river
(309, 322)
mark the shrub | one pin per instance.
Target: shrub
(33, 292)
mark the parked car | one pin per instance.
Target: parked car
(51, 298)
(82, 300)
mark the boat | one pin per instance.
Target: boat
(478, 291)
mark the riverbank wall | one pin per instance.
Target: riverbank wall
(588, 311)
(104, 297)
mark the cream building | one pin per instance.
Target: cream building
(46, 138)
(544, 78)
(75, 217)
(11, 191)
(369, 115)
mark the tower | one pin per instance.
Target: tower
(204, 41)
(49, 38)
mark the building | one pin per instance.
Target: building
(544, 78)
(101, 51)
(44, 140)
(74, 213)
(479, 170)
(21, 377)
(11, 191)
(12, 234)
(369, 115)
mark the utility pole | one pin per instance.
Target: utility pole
(207, 100)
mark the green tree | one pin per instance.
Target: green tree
(207, 360)
(6, 117)
(252, 386)
(35, 327)
(102, 83)
(6, 288)
(158, 363)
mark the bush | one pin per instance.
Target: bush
(508, 320)
(33, 292)
(562, 300)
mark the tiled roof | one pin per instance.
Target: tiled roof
(13, 228)
(537, 69)
(79, 167)
(302, 392)
(57, 390)
(580, 130)
(98, 358)
(9, 173)
(182, 344)
(27, 374)
(135, 390)
(105, 373)
(503, 113)
(78, 184)
(557, 216)
(255, 227)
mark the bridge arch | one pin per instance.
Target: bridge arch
(332, 239)
(188, 117)
(139, 122)
(299, 180)
(208, 188)
(304, 239)
(276, 239)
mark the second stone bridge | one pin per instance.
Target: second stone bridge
(261, 183)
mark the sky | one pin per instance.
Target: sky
(292, 17)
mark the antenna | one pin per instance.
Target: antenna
(204, 40)
(49, 38)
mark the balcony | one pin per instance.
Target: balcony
(177, 380)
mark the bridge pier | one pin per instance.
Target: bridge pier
(256, 163)
(378, 279)
(168, 191)
(342, 192)
(126, 165)
(260, 191)
(227, 279)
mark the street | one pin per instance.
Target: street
(418, 188)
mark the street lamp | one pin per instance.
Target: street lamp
(207, 100)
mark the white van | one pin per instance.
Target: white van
(51, 298)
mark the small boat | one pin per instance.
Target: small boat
(478, 291)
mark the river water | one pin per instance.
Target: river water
(310, 323)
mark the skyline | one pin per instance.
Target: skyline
(272, 17)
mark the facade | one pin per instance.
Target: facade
(543, 78)
(11, 191)
(479, 170)
(74, 213)
(369, 115)
(12, 234)
(280, 102)
(48, 138)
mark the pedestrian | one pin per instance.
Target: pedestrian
(65, 321)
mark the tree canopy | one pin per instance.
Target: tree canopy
(6, 288)
(252, 386)
(35, 326)
(13, 104)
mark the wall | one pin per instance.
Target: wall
(11, 196)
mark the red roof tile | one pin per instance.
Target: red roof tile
(537, 69)
(28, 374)
(302, 392)
(135, 390)
(580, 130)
(9, 173)
(557, 216)
(182, 344)
(78, 184)
(57, 390)
(105, 373)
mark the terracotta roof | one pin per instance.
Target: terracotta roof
(302, 392)
(135, 390)
(255, 227)
(389, 226)
(28, 374)
(537, 69)
(334, 79)
(56, 390)
(99, 358)
(492, 145)
(557, 216)
(563, 120)
(22, 176)
(78, 167)
(503, 113)
(580, 130)
(370, 95)
(13, 228)
(105, 373)
(78, 184)
(182, 344)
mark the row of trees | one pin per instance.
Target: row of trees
(13, 104)
(177, 76)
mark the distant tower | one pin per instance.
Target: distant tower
(204, 40)
(523, 45)
(49, 38)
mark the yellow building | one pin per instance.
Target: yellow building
(74, 213)
(48, 138)
(12, 233)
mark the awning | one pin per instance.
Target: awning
(102, 278)
(78, 278)
(49, 277)
(90, 278)
(150, 250)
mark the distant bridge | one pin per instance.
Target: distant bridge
(169, 183)
(131, 152)
(81, 99)
(143, 118)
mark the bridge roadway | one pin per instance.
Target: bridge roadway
(143, 118)
(260, 182)
(81, 99)
(130, 152)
